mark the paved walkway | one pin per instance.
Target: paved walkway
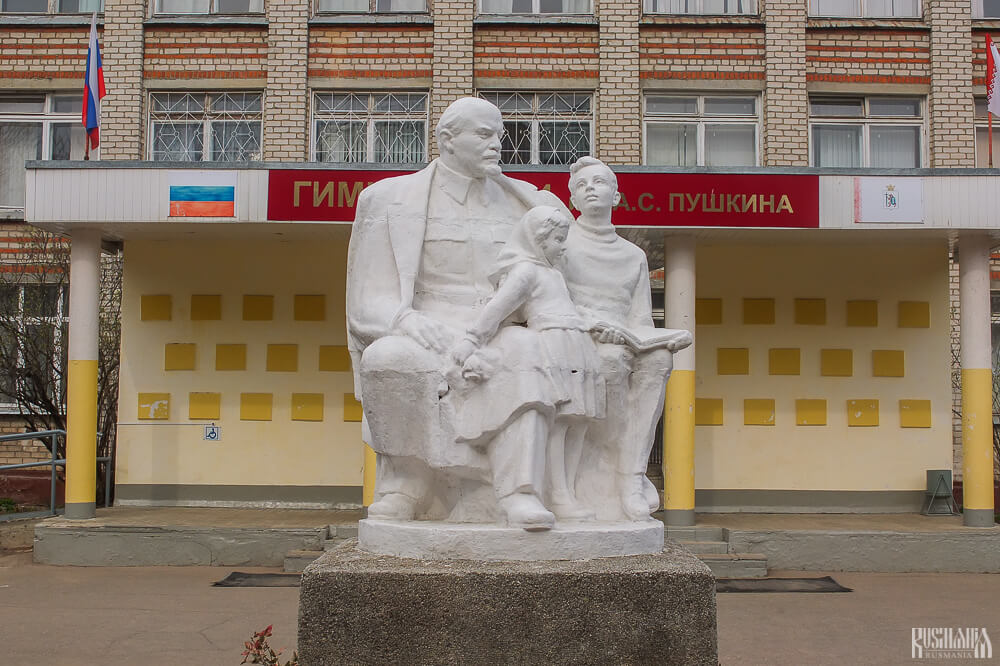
(69, 616)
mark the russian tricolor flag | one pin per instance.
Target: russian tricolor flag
(93, 89)
(202, 193)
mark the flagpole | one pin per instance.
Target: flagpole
(989, 115)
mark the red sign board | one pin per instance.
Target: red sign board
(648, 199)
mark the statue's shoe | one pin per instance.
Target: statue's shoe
(567, 508)
(635, 504)
(525, 511)
(651, 494)
(393, 506)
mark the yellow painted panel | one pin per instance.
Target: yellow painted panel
(155, 307)
(178, 356)
(810, 412)
(733, 361)
(758, 310)
(206, 307)
(334, 358)
(836, 362)
(310, 307)
(255, 406)
(230, 357)
(258, 308)
(708, 311)
(708, 411)
(914, 314)
(783, 361)
(915, 413)
(81, 431)
(204, 405)
(862, 313)
(678, 441)
(887, 363)
(154, 406)
(862, 412)
(758, 411)
(810, 311)
(307, 406)
(282, 358)
(352, 408)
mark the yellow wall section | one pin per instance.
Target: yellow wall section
(155, 307)
(887, 363)
(783, 361)
(206, 307)
(836, 362)
(708, 311)
(758, 310)
(256, 406)
(231, 357)
(834, 456)
(352, 409)
(758, 411)
(733, 361)
(81, 430)
(810, 412)
(258, 307)
(310, 307)
(179, 356)
(282, 358)
(281, 451)
(915, 413)
(708, 411)
(862, 413)
(307, 406)
(914, 314)
(334, 358)
(153, 406)
(810, 311)
(202, 405)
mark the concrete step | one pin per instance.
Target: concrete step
(296, 560)
(695, 533)
(735, 565)
(343, 531)
(698, 547)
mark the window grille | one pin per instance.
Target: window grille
(33, 336)
(866, 131)
(544, 127)
(191, 127)
(701, 130)
(370, 127)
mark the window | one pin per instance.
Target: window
(34, 324)
(866, 131)
(210, 6)
(717, 7)
(191, 127)
(371, 6)
(867, 8)
(983, 134)
(36, 127)
(52, 6)
(985, 8)
(370, 127)
(544, 128)
(701, 130)
(535, 7)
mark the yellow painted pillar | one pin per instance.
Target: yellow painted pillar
(368, 490)
(678, 420)
(977, 380)
(81, 382)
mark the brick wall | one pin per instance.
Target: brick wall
(452, 61)
(55, 56)
(952, 142)
(370, 55)
(122, 109)
(206, 52)
(619, 113)
(707, 53)
(868, 56)
(786, 103)
(286, 100)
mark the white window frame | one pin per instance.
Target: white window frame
(866, 121)
(981, 123)
(59, 322)
(53, 7)
(374, 7)
(700, 119)
(536, 117)
(47, 118)
(212, 10)
(978, 11)
(863, 10)
(536, 10)
(207, 118)
(370, 118)
(698, 8)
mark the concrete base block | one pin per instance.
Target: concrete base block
(429, 540)
(360, 608)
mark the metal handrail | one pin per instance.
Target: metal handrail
(52, 463)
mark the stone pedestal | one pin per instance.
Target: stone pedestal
(430, 540)
(359, 608)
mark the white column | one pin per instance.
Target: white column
(81, 385)
(678, 425)
(977, 380)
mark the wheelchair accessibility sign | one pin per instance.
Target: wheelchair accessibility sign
(213, 433)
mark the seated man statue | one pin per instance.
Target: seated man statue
(608, 280)
(421, 253)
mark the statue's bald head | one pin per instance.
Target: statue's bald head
(468, 137)
(456, 117)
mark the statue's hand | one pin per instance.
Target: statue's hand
(429, 333)
(462, 351)
(610, 337)
(680, 341)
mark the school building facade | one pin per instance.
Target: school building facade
(803, 172)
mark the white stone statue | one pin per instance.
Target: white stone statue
(504, 355)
